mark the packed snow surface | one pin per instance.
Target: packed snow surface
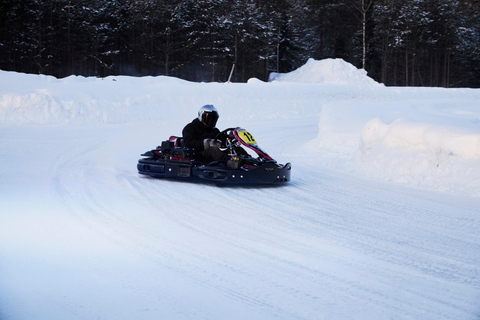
(380, 221)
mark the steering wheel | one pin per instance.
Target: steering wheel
(223, 135)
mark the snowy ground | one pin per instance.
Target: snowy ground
(380, 221)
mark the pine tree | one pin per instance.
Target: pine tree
(468, 43)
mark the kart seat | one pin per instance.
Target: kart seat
(177, 141)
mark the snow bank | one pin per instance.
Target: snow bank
(36, 99)
(407, 136)
(27, 99)
(331, 71)
(424, 154)
(428, 143)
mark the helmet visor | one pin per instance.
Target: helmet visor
(210, 119)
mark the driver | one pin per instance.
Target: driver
(201, 134)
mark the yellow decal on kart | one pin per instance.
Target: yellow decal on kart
(246, 137)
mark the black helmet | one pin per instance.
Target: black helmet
(208, 115)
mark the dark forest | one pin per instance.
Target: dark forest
(398, 42)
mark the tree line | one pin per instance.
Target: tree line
(398, 42)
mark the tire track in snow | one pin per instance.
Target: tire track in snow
(105, 216)
(270, 248)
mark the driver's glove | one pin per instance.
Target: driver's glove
(211, 143)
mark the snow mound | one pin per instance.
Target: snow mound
(424, 154)
(408, 136)
(330, 71)
(45, 100)
(432, 144)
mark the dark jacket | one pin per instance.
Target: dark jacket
(195, 132)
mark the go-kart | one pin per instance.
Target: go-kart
(175, 161)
